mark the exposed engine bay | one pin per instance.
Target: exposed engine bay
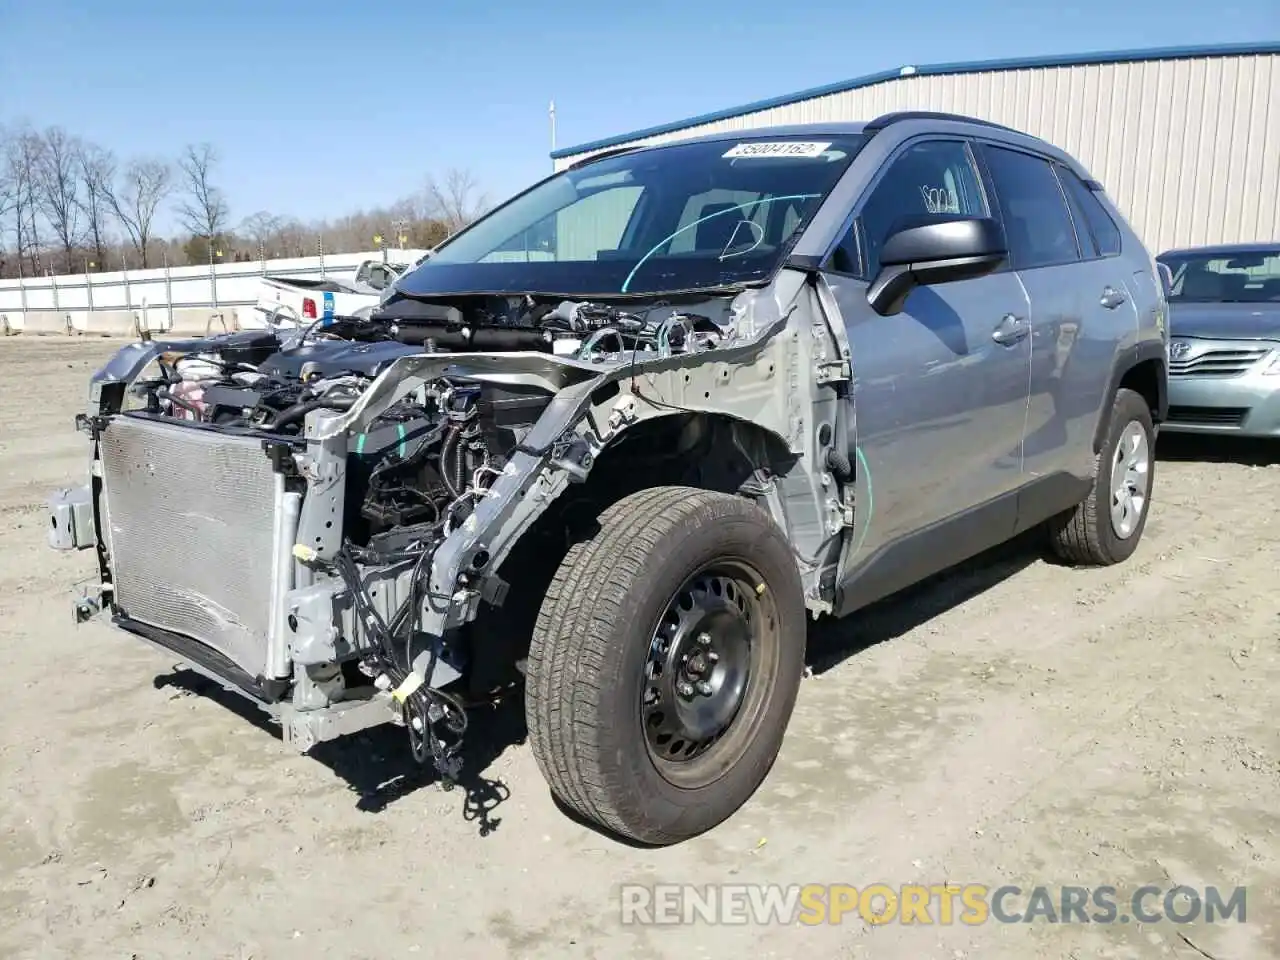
(423, 461)
(357, 608)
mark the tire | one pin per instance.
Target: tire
(1087, 535)
(597, 629)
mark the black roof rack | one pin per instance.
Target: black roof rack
(886, 119)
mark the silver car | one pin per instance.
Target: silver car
(1224, 351)
(614, 444)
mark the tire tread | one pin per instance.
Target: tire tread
(1083, 535)
(576, 633)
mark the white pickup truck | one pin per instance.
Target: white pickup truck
(293, 301)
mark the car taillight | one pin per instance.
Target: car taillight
(308, 308)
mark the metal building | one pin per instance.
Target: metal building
(1186, 140)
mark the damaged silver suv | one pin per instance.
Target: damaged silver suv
(613, 444)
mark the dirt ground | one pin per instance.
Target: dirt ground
(1012, 722)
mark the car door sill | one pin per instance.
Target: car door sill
(934, 549)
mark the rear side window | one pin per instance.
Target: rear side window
(1037, 222)
(1105, 232)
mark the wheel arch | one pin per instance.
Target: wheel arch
(1140, 368)
(707, 450)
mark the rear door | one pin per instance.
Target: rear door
(1072, 334)
(1100, 233)
(1115, 298)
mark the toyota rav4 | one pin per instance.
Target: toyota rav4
(613, 444)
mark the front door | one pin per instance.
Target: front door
(939, 391)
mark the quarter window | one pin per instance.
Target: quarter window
(936, 176)
(1037, 222)
(1105, 232)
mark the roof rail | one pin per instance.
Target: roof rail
(886, 119)
(606, 154)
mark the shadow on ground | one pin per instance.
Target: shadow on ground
(1195, 448)
(378, 765)
(831, 641)
(379, 768)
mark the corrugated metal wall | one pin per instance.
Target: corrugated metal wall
(1189, 149)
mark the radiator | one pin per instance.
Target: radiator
(190, 516)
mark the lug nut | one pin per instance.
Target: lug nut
(684, 689)
(713, 656)
(704, 639)
(704, 688)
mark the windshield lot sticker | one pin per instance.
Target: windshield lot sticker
(784, 148)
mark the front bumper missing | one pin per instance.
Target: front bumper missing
(303, 701)
(301, 729)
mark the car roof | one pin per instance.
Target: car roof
(942, 122)
(833, 127)
(1224, 249)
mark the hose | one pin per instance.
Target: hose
(449, 442)
(838, 463)
(460, 468)
(299, 410)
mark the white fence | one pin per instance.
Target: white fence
(157, 298)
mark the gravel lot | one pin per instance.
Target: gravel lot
(1012, 722)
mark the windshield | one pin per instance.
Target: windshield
(679, 217)
(1217, 277)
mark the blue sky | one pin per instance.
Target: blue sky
(322, 107)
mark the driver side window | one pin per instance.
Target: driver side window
(932, 176)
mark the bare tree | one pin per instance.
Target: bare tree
(61, 196)
(204, 212)
(262, 228)
(292, 238)
(8, 187)
(136, 198)
(8, 192)
(57, 188)
(454, 202)
(97, 168)
(22, 159)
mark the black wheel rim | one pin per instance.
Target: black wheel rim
(698, 667)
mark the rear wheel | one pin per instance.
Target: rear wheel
(665, 663)
(1106, 528)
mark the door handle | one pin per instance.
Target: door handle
(1010, 330)
(1112, 298)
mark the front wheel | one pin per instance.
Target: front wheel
(665, 663)
(1106, 527)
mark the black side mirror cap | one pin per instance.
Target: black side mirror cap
(931, 249)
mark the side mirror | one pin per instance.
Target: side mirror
(933, 249)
